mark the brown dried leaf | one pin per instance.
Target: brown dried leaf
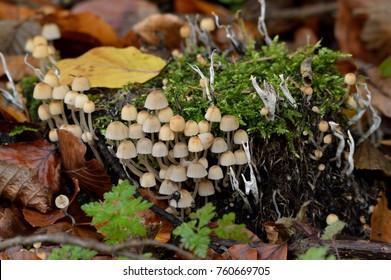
(11, 113)
(272, 251)
(37, 219)
(91, 175)
(157, 27)
(122, 15)
(242, 252)
(82, 31)
(65, 227)
(12, 223)
(367, 157)
(381, 220)
(24, 255)
(30, 173)
(15, 11)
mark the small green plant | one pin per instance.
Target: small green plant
(70, 252)
(116, 216)
(333, 229)
(195, 234)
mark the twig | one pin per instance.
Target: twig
(92, 244)
(261, 23)
(15, 98)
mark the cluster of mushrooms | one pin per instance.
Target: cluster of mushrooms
(57, 99)
(180, 159)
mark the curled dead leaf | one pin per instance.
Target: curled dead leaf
(91, 175)
(381, 220)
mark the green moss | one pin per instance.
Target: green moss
(27, 85)
(236, 96)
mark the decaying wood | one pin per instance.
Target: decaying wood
(347, 249)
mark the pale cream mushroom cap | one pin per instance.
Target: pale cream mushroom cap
(126, 150)
(228, 123)
(129, 112)
(116, 130)
(205, 188)
(156, 100)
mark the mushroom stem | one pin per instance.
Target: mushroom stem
(144, 161)
(132, 168)
(75, 121)
(90, 127)
(95, 152)
(83, 122)
(197, 181)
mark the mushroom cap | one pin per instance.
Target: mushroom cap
(227, 158)
(196, 170)
(156, 100)
(213, 114)
(151, 124)
(185, 31)
(72, 128)
(164, 115)
(240, 156)
(205, 187)
(166, 134)
(185, 199)
(240, 136)
(53, 135)
(167, 187)
(51, 79)
(350, 79)
(204, 162)
(61, 201)
(116, 130)
(203, 126)
(215, 173)
(323, 126)
(195, 145)
(219, 145)
(207, 139)
(191, 128)
(159, 149)
(60, 91)
(44, 112)
(176, 173)
(180, 150)
(126, 150)
(80, 99)
(177, 123)
(136, 131)
(147, 180)
(144, 146)
(51, 31)
(328, 138)
(70, 97)
(228, 123)
(141, 117)
(39, 40)
(129, 112)
(81, 83)
(89, 107)
(40, 51)
(207, 24)
(42, 90)
(56, 107)
(86, 136)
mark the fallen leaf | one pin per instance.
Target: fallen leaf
(200, 7)
(10, 112)
(66, 227)
(111, 67)
(37, 219)
(24, 255)
(159, 28)
(15, 11)
(91, 175)
(272, 251)
(122, 16)
(12, 223)
(367, 157)
(381, 220)
(348, 28)
(30, 173)
(242, 252)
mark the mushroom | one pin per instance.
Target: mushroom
(159, 150)
(69, 99)
(44, 114)
(126, 151)
(227, 159)
(89, 108)
(177, 124)
(215, 173)
(196, 171)
(228, 123)
(164, 115)
(156, 100)
(205, 189)
(81, 83)
(56, 109)
(116, 131)
(141, 117)
(80, 99)
(72, 128)
(194, 146)
(129, 113)
(59, 93)
(181, 199)
(191, 128)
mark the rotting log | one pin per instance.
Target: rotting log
(346, 249)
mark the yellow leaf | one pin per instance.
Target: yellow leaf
(111, 67)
